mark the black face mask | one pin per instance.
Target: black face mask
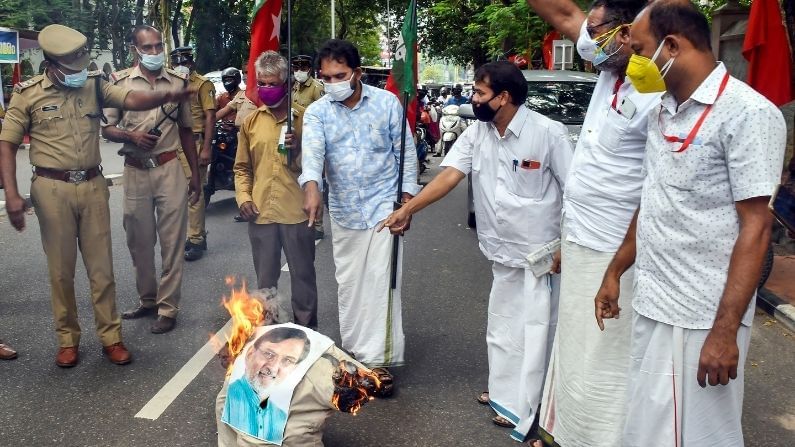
(230, 87)
(483, 112)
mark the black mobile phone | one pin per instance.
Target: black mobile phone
(782, 205)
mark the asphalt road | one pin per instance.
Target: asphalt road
(445, 296)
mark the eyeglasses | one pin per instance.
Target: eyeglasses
(592, 29)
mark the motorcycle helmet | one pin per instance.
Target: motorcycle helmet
(231, 78)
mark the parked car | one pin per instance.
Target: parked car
(560, 95)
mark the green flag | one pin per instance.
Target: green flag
(403, 78)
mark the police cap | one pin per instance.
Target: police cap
(181, 55)
(66, 46)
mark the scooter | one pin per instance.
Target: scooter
(220, 175)
(451, 127)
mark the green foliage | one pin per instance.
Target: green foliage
(432, 73)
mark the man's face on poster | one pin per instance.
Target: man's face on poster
(268, 362)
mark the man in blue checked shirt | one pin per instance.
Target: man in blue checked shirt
(355, 131)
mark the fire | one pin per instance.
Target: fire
(353, 387)
(247, 312)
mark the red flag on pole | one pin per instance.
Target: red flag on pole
(265, 28)
(546, 49)
(767, 50)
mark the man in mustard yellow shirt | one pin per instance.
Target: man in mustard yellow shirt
(267, 190)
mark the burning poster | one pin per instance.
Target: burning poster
(265, 375)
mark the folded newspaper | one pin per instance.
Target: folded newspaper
(541, 260)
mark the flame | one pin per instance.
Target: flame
(247, 314)
(354, 387)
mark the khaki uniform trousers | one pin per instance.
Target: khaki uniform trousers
(71, 216)
(196, 229)
(155, 207)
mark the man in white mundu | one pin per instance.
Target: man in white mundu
(519, 161)
(714, 157)
(584, 403)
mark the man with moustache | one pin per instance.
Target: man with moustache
(583, 400)
(155, 187)
(269, 360)
(699, 239)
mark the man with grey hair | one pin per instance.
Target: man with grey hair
(267, 166)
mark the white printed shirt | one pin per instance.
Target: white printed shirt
(688, 224)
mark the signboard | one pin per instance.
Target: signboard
(9, 46)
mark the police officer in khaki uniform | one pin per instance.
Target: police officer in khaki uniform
(306, 90)
(240, 106)
(155, 186)
(61, 111)
(202, 107)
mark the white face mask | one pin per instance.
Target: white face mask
(153, 62)
(339, 91)
(594, 51)
(181, 69)
(301, 76)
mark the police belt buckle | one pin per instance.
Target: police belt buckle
(150, 162)
(77, 176)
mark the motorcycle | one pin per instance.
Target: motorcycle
(451, 127)
(422, 147)
(220, 175)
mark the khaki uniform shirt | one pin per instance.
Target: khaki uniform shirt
(144, 121)
(261, 172)
(203, 100)
(63, 123)
(305, 93)
(310, 407)
(243, 107)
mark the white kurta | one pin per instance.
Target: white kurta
(517, 182)
(584, 403)
(371, 323)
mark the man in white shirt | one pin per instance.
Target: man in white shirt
(584, 400)
(519, 161)
(715, 152)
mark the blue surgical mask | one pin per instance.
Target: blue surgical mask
(75, 80)
(152, 62)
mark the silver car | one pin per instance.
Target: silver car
(560, 95)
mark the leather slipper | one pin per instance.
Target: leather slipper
(483, 398)
(502, 422)
(387, 382)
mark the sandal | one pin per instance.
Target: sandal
(483, 398)
(387, 382)
(502, 422)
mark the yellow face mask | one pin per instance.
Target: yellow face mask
(644, 74)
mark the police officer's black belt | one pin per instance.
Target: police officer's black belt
(150, 162)
(78, 176)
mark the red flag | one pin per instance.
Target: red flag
(767, 50)
(546, 49)
(265, 30)
(16, 74)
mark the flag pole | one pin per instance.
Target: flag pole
(401, 162)
(289, 77)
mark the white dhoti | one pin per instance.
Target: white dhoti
(521, 327)
(666, 405)
(584, 400)
(371, 326)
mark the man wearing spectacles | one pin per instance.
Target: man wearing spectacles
(584, 400)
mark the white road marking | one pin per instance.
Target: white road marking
(286, 268)
(174, 387)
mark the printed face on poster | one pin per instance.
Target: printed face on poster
(9, 46)
(265, 375)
